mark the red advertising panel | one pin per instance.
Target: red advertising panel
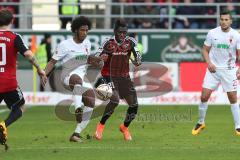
(191, 76)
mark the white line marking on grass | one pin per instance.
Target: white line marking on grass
(3, 110)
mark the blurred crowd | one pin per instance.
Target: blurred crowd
(188, 8)
(138, 15)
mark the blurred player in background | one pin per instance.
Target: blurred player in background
(74, 54)
(116, 53)
(10, 45)
(219, 51)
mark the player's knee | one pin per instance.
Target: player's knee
(204, 98)
(74, 79)
(132, 112)
(114, 101)
(18, 107)
(232, 100)
(134, 108)
(89, 98)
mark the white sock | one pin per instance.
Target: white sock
(202, 108)
(77, 96)
(87, 113)
(236, 114)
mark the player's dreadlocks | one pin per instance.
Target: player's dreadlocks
(80, 21)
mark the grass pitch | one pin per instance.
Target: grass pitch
(159, 132)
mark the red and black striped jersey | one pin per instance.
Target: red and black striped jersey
(119, 54)
(10, 45)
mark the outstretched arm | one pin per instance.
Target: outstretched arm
(28, 54)
(50, 66)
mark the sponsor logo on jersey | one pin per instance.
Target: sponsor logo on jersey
(223, 46)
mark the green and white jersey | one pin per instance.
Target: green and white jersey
(72, 55)
(224, 47)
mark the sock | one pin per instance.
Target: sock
(236, 114)
(15, 114)
(202, 108)
(131, 114)
(108, 111)
(77, 96)
(87, 113)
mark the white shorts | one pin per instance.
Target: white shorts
(81, 73)
(226, 77)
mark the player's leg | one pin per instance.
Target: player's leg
(15, 102)
(89, 103)
(130, 95)
(232, 96)
(210, 83)
(75, 84)
(113, 103)
(229, 83)
(2, 127)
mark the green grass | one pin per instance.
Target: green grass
(159, 132)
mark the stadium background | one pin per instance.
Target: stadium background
(162, 129)
(160, 42)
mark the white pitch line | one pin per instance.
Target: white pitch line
(4, 110)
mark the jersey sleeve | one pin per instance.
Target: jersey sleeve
(208, 40)
(135, 50)
(20, 45)
(60, 52)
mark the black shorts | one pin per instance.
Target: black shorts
(123, 85)
(13, 98)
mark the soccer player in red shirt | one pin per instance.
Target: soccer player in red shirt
(10, 45)
(116, 53)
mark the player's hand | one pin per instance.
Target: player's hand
(211, 67)
(94, 61)
(137, 61)
(238, 74)
(104, 57)
(43, 76)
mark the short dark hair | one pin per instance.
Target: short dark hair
(120, 23)
(80, 21)
(226, 12)
(6, 17)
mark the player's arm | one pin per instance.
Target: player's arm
(93, 59)
(205, 52)
(137, 56)
(23, 49)
(50, 66)
(59, 53)
(107, 48)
